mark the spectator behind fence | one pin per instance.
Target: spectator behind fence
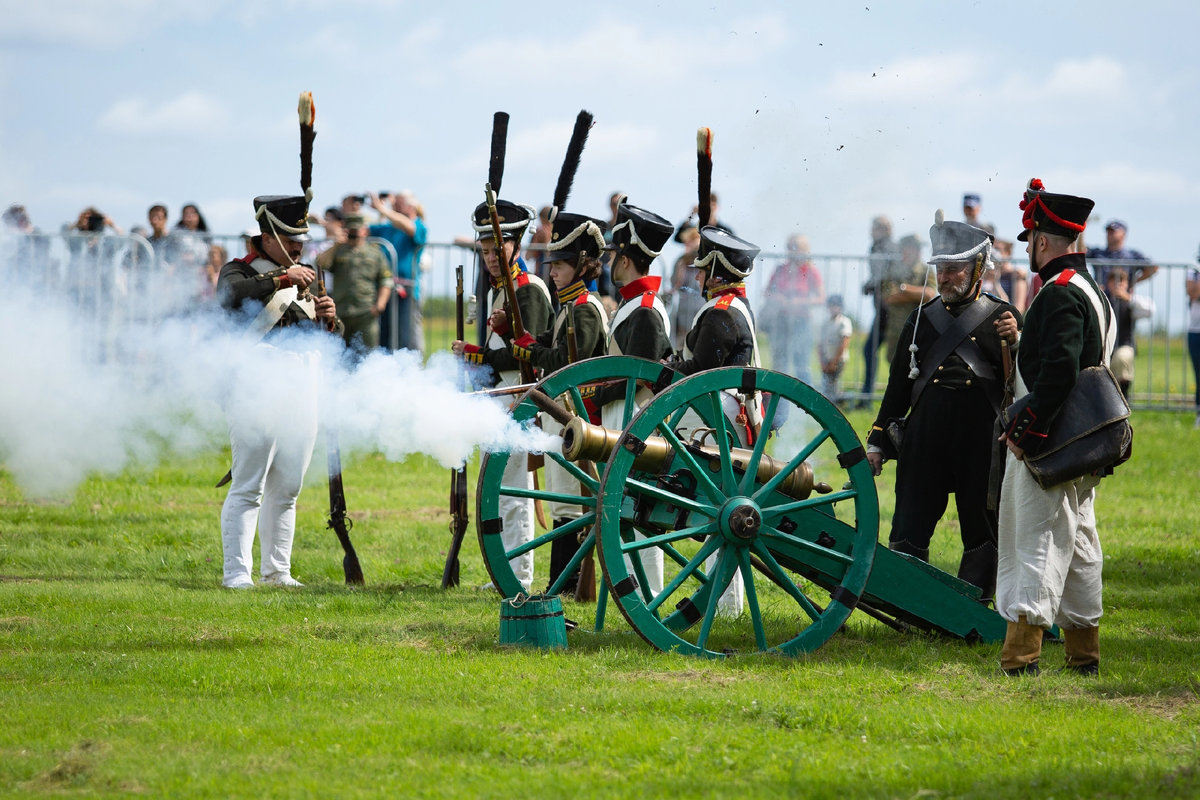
(159, 235)
(685, 292)
(16, 220)
(1115, 250)
(789, 308)
(362, 283)
(217, 258)
(883, 252)
(833, 348)
(904, 288)
(188, 246)
(405, 230)
(1193, 332)
(333, 223)
(1128, 308)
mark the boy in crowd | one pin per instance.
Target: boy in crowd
(833, 347)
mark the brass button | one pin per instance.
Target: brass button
(968, 381)
(972, 338)
(939, 367)
(935, 380)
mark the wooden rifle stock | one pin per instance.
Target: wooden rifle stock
(515, 323)
(459, 518)
(339, 523)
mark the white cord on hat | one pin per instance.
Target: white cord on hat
(633, 238)
(506, 227)
(716, 254)
(589, 227)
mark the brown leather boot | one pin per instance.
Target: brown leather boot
(1083, 650)
(1022, 648)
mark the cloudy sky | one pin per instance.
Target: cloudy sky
(824, 114)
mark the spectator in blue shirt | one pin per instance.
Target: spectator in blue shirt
(403, 227)
(1116, 251)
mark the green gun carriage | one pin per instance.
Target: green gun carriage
(793, 518)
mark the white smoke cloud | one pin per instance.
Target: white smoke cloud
(86, 391)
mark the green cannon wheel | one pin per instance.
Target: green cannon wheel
(491, 486)
(716, 504)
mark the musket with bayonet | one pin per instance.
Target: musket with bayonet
(459, 517)
(339, 522)
(515, 324)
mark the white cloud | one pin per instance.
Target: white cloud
(105, 24)
(190, 114)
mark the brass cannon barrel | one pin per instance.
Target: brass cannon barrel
(583, 441)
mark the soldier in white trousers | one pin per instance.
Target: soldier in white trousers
(272, 410)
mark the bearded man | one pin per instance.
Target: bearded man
(942, 398)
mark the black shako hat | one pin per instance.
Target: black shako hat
(574, 235)
(285, 215)
(514, 219)
(1060, 214)
(639, 234)
(957, 241)
(723, 254)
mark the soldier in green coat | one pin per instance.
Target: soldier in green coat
(362, 283)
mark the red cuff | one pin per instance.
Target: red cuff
(502, 327)
(284, 281)
(527, 341)
(472, 348)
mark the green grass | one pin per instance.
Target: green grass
(125, 668)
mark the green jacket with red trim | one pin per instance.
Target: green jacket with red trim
(1060, 338)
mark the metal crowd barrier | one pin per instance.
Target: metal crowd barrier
(114, 280)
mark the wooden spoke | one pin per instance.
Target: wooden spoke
(752, 465)
(716, 589)
(760, 636)
(550, 497)
(584, 549)
(690, 568)
(670, 497)
(728, 481)
(773, 484)
(578, 474)
(574, 526)
(667, 538)
(812, 547)
(577, 402)
(775, 512)
(788, 584)
(701, 474)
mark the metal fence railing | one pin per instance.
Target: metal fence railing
(113, 280)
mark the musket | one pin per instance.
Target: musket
(459, 518)
(515, 323)
(338, 521)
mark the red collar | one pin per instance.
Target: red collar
(734, 289)
(649, 283)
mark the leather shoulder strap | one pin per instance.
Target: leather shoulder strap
(949, 341)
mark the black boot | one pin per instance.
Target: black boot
(978, 567)
(562, 550)
(909, 549)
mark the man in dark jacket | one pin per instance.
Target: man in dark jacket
(1050, 556)
(950, 389)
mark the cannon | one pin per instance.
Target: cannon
(764, 516)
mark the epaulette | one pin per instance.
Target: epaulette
(582, 299)
(521, 280)
(648, 300)
(725, 302)
(993, 297)
(247, 259)
(1064, 277)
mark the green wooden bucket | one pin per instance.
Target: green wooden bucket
(533, 621)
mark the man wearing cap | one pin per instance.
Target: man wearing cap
(362, 284)
(272, 408)
(533, 301)
(723, 335)
(1135, 263)
(641, 327)
(576, 244)
(1050, 556)
(942, 398)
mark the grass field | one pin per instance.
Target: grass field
(124, 668)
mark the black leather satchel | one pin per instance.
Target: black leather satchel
(1090, 435)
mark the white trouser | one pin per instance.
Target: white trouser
(517, 514)
(732, 601)
(1122, 363)
(1050, 557)
(272, 444)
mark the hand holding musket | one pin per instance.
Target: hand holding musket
(515, 325)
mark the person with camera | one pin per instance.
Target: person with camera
(1050, 556)
(402, 225)
(272, 404)
(939, 409)
(362, 284)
